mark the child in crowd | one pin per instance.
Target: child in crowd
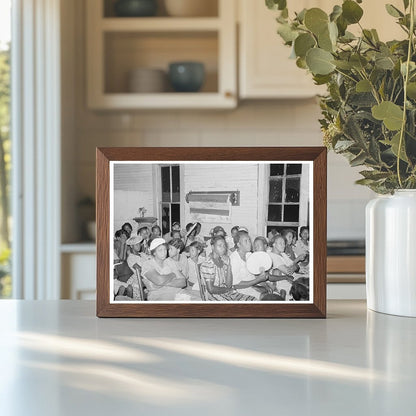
(120, 248)
(144, 233)
(300, 289)
(260, 244)
(127, 228)
(271, 234)
(231, 240)
(176, 226)
(243, 280)
(156, 232)
(283, 267)
(176, 258)
(288, 235)
(217, 275)
(217, 231)
(175, 235)
(194, 261)
(302, 249)
(135, 259)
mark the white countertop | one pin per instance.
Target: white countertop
(57, 358)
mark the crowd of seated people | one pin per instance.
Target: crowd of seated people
(183, 266)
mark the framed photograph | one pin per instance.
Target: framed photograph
(211, 232)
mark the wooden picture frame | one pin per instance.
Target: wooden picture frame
(316, 157)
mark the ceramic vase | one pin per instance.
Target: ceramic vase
(391, 253)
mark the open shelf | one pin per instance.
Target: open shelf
(160, 24)
(119, 45)
(126, 51)
(210, 9)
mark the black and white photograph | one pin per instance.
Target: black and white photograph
(211, 231)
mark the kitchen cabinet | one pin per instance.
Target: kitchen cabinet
(118, 45)
(78, 264)
(265, 69)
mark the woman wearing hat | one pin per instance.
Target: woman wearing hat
(162, 282)
(192, 234)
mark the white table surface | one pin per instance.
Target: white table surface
(57, 358)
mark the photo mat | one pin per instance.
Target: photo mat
(266, 201)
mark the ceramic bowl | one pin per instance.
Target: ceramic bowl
(135, 8)
(186, 76)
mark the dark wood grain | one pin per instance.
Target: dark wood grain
(317, 309)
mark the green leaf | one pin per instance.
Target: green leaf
(325, 42)
(347, 37)
(406, 4)
(351, 11)
(394, 143)
(358, 61)
(336, 12)
(391, 114)
(301, 15)
(333, 32)
(301, 63)
(411, 90)
(375, 35)
(287, 33)
(374, 175)
(316, 20)
(384, 62)
(321, 79)
(303, 43)
(342, 25)
(343, 145)
(363, 86)
(344, 65)
(319, 61)
(393, 11)
(358, 160)
(276, 4)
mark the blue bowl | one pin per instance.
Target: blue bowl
(135, 8)
(186, 76)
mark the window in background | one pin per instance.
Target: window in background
(5, 147)
(170, 176)
(284, 195)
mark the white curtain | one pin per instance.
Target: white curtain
(36, 137)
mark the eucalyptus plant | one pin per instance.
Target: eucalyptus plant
(369, 111)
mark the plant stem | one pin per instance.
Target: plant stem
(406, 79)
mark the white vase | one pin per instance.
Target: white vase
(391, 253)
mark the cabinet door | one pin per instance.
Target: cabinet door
(266, 71)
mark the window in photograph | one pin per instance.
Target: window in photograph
(170, 204)
(284, 195)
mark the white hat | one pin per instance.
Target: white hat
(134, 239)
(156, 243)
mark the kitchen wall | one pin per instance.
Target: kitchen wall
(253, 123)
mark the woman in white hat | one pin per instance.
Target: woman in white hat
(161, 281)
